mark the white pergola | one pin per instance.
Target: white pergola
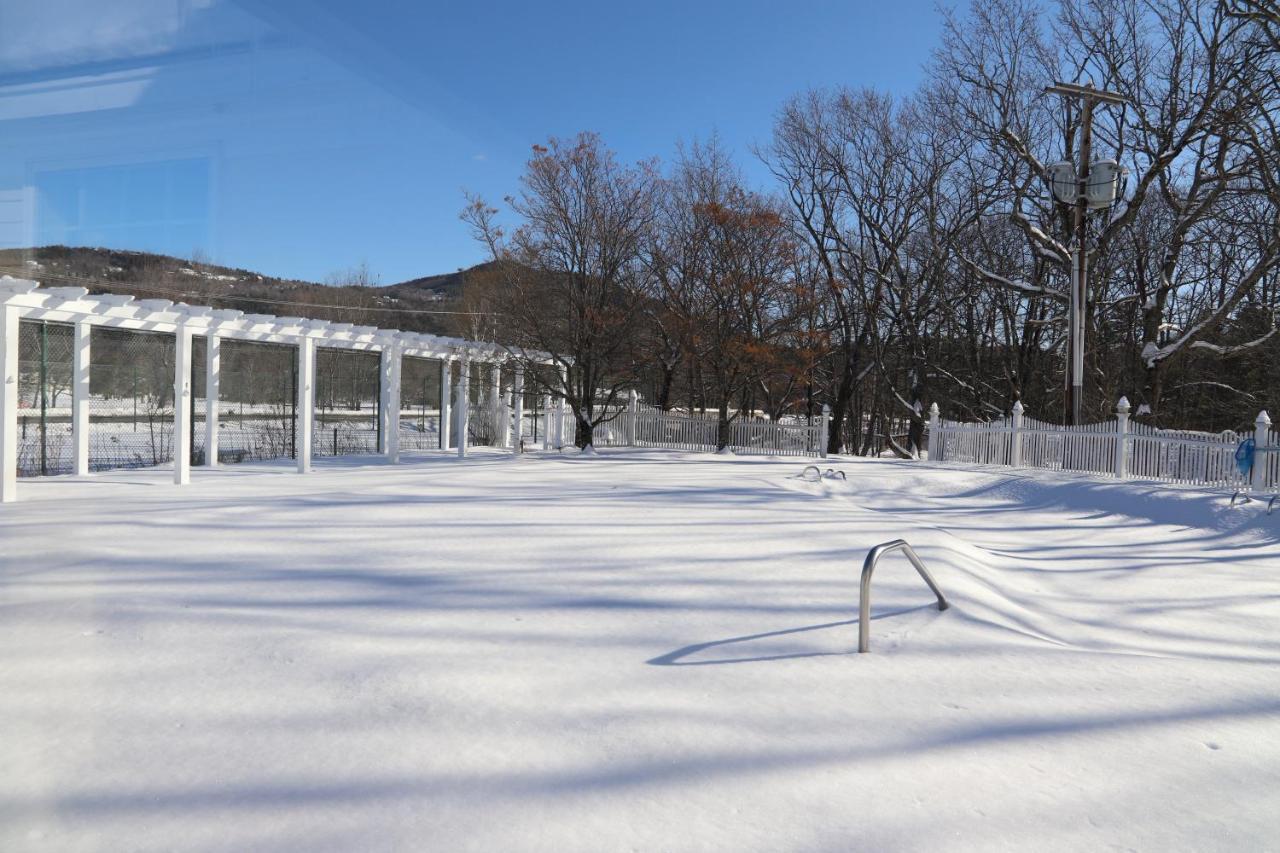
(21, 299)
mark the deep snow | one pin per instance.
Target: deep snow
(637, 650)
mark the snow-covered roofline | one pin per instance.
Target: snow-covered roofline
(74, 304)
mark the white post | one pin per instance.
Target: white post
(504, 419)
(182, 405)
(559, 436)
(546, 417)
(1015, 438)
(446, 389)
(306, 401)
(391, 431)
(212, 391)
(461, 405)
(8, 403)
(80, 397)
(1261, 429)
(825, 431)
(492, 405)
(1122, 446)
(935, 433)
(384, 397)
(517, 395)
(633, 412)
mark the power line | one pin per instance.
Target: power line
(99, 283)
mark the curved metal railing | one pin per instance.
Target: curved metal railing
(818, 474)
(864, 595)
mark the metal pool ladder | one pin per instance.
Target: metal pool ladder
(864, 596)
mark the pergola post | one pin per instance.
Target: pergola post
(384, 398)
(564, 380)
(306, 402)
(504, 420)
(446, 390)
(517, 396)
(80, 396)
(546, 414)
(461, 405)
(493, 404)
(392, 363)
(8, 403)
(212, 390)
(182, 405)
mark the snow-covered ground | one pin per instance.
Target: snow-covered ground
(636, 650)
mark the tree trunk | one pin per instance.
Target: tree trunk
(663, 400)
(915, 437)
(585, 432)
(1153, 388)
(844, 393)
(723, 435)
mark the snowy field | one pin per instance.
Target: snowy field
(635, 651)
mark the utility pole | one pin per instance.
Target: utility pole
(1079, 252)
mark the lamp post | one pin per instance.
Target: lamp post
(1071, 186)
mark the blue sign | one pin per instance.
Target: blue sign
(1244, 456)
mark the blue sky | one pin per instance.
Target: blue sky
(301, 138)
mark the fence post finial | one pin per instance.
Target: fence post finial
(935, 437)
(1261, 429)
(1015, 436)
(1122, 445)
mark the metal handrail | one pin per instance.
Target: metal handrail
(830, 474)
(864, 595)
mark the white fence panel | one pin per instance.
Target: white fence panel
(1115, 449)
(649, 427)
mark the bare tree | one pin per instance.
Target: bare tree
(732, 253)
(568, 280)
(1201, 97)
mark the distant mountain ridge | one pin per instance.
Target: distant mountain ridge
(445, 286)
(420, 304)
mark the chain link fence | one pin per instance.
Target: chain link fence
(257, 401)
(45, 353)
(419, 403)
(130, 398)
(483, 424)
(348, 384)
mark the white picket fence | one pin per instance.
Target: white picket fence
(1116, 448)
(636, 425)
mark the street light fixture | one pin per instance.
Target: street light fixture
(1094, 185)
